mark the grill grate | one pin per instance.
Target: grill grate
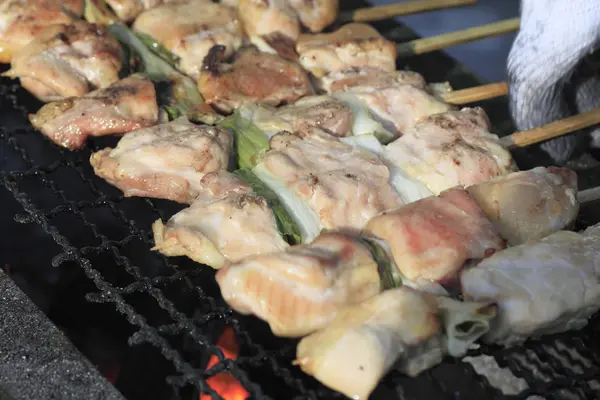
(174, 304)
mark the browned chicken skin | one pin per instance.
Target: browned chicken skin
(253, 77)
(23, 20)
(189, 29)
(67, 61)
(316, 15)
(166, 161)
(124, 106)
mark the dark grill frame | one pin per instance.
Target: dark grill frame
(169, 323)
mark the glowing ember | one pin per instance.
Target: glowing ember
(224, 383)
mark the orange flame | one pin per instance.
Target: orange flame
(224, 383)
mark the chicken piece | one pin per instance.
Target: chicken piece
(341, 186)
(253, 77)
(546, 286)
(352, 46)
(189, 30)
(226, 225)
(128, 10)
(324, 112)
(278, 44)
(166, 161)
(316, 15)
(124, 106)
(265, 17)
(371, 77)
(364, 341)
(300, 290)
(21, 21)
(67, 61)
(545, 203)
(450, 149)
(434, 237)
(231, 3)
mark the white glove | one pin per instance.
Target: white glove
(547, 74)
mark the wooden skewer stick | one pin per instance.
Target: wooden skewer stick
(379, 13)
(438, 42)
(477, 93)
(552, 130)
(588, 195)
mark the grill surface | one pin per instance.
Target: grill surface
(173, 305)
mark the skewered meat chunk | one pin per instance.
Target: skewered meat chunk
(67, 61)
(266, 17)
(190, 29)
(253, 77)
(300, 290)
(128, 10)
(21, 21)
(433, 238)
(342, 187)
(352, 46)
(227, 224)
(323, 112)
(545, 286)
(371, 77)
(450, 149)
(529, 205)
(316, 15)
(166, 161)
(363, 342)
(124, 106)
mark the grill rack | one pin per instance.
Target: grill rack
(58, 191)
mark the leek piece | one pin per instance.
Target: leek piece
(250, 142)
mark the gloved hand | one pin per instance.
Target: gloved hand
(549, 77)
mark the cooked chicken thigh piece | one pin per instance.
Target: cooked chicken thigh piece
(190, 29)
(450, 149)
(21, 21)
(226, 223)
(124, 106)
(253, 77)
(331, 184)
(363, 342)
(545, 286)
(316, 15)
(300, 290)
(323, 112)
(373, 78)
(166, 161)
(266, 17)
(529, 205)
(433, 238)
(352, 46)
(128, 10)
(67, 61)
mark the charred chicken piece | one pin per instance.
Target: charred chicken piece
(190, 29)
(432, 239)
(451, 149)
(324, 112)
(67, 61)
(302, 289)
(267, 17)
(124, 106)
(529, 205)
(166, 161)
(21, 21)
(352, 46)
(225, 224)
(316, 15)
(252, 77)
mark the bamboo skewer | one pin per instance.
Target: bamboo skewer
(477, 93)
(588, 195)
(552, 130)
(379, 13)
(438, 42)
